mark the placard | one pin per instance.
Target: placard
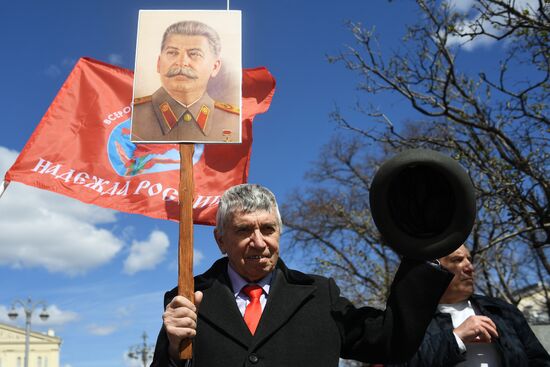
(188, 72)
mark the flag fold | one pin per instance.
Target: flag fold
(81, 148)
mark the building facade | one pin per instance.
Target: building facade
(43, 348)
(533, 305)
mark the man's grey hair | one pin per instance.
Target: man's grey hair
(246, 198)
(194, 28)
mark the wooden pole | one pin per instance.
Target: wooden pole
(185, 273)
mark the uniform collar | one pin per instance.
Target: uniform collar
(170, 111)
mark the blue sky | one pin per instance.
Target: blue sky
(88, 263)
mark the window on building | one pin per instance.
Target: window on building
(38, 361)
(18, 362)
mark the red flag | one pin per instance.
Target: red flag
(81, 148)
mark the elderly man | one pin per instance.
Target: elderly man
(181, 109)
(473, 330)
(253, 310)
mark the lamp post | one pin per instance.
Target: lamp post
(142, 351)
(28, 308)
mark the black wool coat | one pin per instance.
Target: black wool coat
(307, 323)
(516, 344)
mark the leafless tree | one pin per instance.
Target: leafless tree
(330, 223)
(495, 123)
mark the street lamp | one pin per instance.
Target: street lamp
(142, 351)
(28, 308)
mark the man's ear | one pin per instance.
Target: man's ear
(216, 68)
(219, 241)
(158, 65)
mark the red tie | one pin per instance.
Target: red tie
(253, 311)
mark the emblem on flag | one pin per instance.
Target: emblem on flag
(129, 159)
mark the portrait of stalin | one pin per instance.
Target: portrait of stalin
(181, 109)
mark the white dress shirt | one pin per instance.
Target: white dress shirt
(238, 283)
(477, 354)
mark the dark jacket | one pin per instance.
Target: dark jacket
(307, 323)
(517, 344)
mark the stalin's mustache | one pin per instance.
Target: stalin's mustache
(185, 71)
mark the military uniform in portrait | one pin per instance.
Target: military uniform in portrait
(160, 117)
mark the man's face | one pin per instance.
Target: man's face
(251, 242)
(462, 285)
(186, 64)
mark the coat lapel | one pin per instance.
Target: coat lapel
(218, 306)
(289, 291)
(285, 298)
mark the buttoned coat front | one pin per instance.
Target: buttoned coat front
(307, 323)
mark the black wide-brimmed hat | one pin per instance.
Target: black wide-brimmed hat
(423, 204)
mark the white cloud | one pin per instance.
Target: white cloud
(69, 62)
(52, 71)
(468, 44)
(198, 256)
(147, 254)
(461, 5)
(128, 232)
(60, 317)
(55, 70)
(41, 229)
(475, 22)
(101, 330)
(125, 311)
(114, 59)
(56, 317)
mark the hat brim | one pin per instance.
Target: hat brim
(423, 203)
